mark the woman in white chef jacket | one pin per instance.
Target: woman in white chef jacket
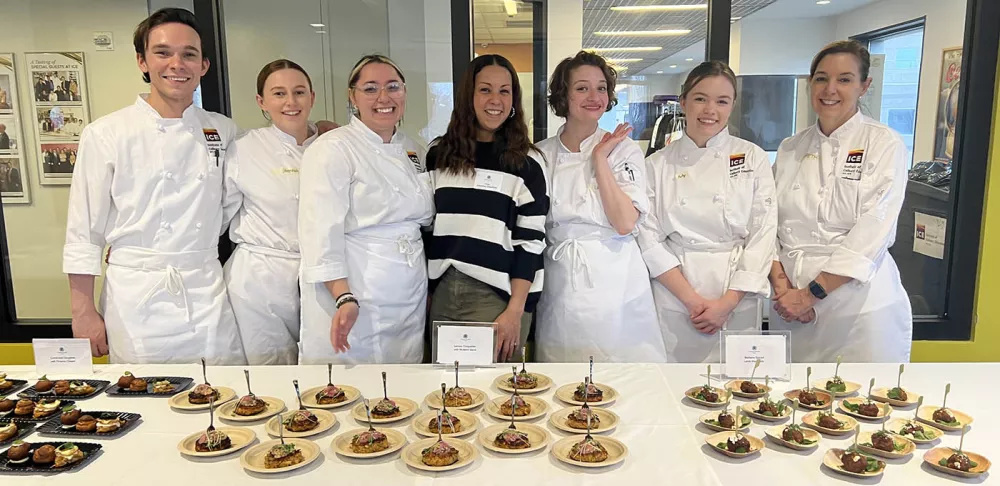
(597, 300)
(261, 195)
(709, 237)
(841, 184)
(364, 197)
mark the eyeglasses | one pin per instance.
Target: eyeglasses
(394, 90)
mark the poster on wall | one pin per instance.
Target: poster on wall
(59, 111)
(13, 177)
(947, 111)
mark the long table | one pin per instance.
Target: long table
(666, 444)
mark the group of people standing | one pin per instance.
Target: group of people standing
(342, 236)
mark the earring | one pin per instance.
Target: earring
(512, 111)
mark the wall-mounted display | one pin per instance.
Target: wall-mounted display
(13, 177)
(947, 113)
(60, 110)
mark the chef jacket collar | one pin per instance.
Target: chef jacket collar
(720, 139)
(290, 139)
(842, 132)
(370, 134)
(189, 115)
(587, 145)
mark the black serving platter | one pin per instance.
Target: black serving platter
(180, 384)
(90, 449)
(30, 418)
(23, 430)
(18, 384)
(98, 385)
(54, 426)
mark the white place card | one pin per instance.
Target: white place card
(62, 356)
(741, 349)
(469, 343)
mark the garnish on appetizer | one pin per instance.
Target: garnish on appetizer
(202, 394)
(369, 441)
(588, 450)
(19, 453)
(301, 421)
(857, 463)
(67, 454)
(440, 454)
(213, 440)
(829, 421)
(163, 386)
(737, 444)
(793, 433)
(512, 439)
(283, 455)
(7, 431)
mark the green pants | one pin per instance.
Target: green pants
(459, 297)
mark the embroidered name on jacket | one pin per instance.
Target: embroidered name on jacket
(737, 165)
(214, 142)
(852, 168)
(416, 161)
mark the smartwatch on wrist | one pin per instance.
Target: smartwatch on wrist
(817, 290)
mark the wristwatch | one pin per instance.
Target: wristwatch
(817, 290)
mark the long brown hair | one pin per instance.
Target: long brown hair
(455, 151)
(708, 69)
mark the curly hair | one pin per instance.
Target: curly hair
(559, 86)
(455, 151)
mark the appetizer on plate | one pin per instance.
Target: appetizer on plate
(959, 461)
(883, 441)
(6, 404)
(917, 431)
(369, 441)
(330, 394)
(70, 416)
(512, 439)
(770, 408)
(793, 433)
(457, 396)
(45, 408)
(4, 384)
(867, 408)
(727, 421)
(125, 381)
(283, 455)
(588, 392)
(44, 455)
(202, 394)
(523, 380)
(854, 462)
(440, 454)
(944, 416)
(163, 386)
(80, 388)
(44, 384)
(19, 453)
(737, 444)
(24, 407)
(250, 404)
(61, 387)
(385, 408)
(138, 385)
(517, 407)
(213, 440)
(7, 431)
(300, 421)
(86, 423)
(588, 450)
(583, 417)
(446, 422)
(109, 423)
(67, 454)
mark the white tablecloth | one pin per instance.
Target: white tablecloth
(666, 446)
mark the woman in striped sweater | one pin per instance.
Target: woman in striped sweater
(485, 253)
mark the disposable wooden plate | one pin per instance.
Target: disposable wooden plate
(882, 395)
(724, 397)
(713, 440)
(565, 394)
(180, 401)
(617, 451)
(751, 410)
(609, 420)
(538, 438)
(253, 458)
(852, 388)
(433, 399)
(933, 456)
(469, 423)
(895, 425)
(309, 397)
(544, 383)
(822, 396)
(832, 460)
(857, 401)
(413, 453)
(326, 422)
(775, 434)
(538, 409)
(926, 415)
(734, 386)
(866, 438)
(228, 410)
(342, 443)
(811, 420)
(406, 406)
(240, 437)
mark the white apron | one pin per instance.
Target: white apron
(840, 198)
(263, 286)
(712, 213)
(597, 299)
(388, 275)
(168, 308)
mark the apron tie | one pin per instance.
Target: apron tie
(174, 284)
(406, 249)
(578, 260)
(734, 259)
(797, 256)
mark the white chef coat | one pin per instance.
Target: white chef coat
(713, 214)
(361, 208)
(839, 201)
(151, 188)
(262, 276)
(597, 300)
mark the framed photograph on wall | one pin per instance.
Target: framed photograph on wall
(13, 177)
(59, 109)
(947, 112)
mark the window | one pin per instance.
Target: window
(900, 79)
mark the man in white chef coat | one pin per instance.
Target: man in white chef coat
(148, 183)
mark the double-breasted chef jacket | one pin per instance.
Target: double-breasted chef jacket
(839, 199)
(361, 207)
(151, 189)
(262, 276)
(597, 300)
(713, 214)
